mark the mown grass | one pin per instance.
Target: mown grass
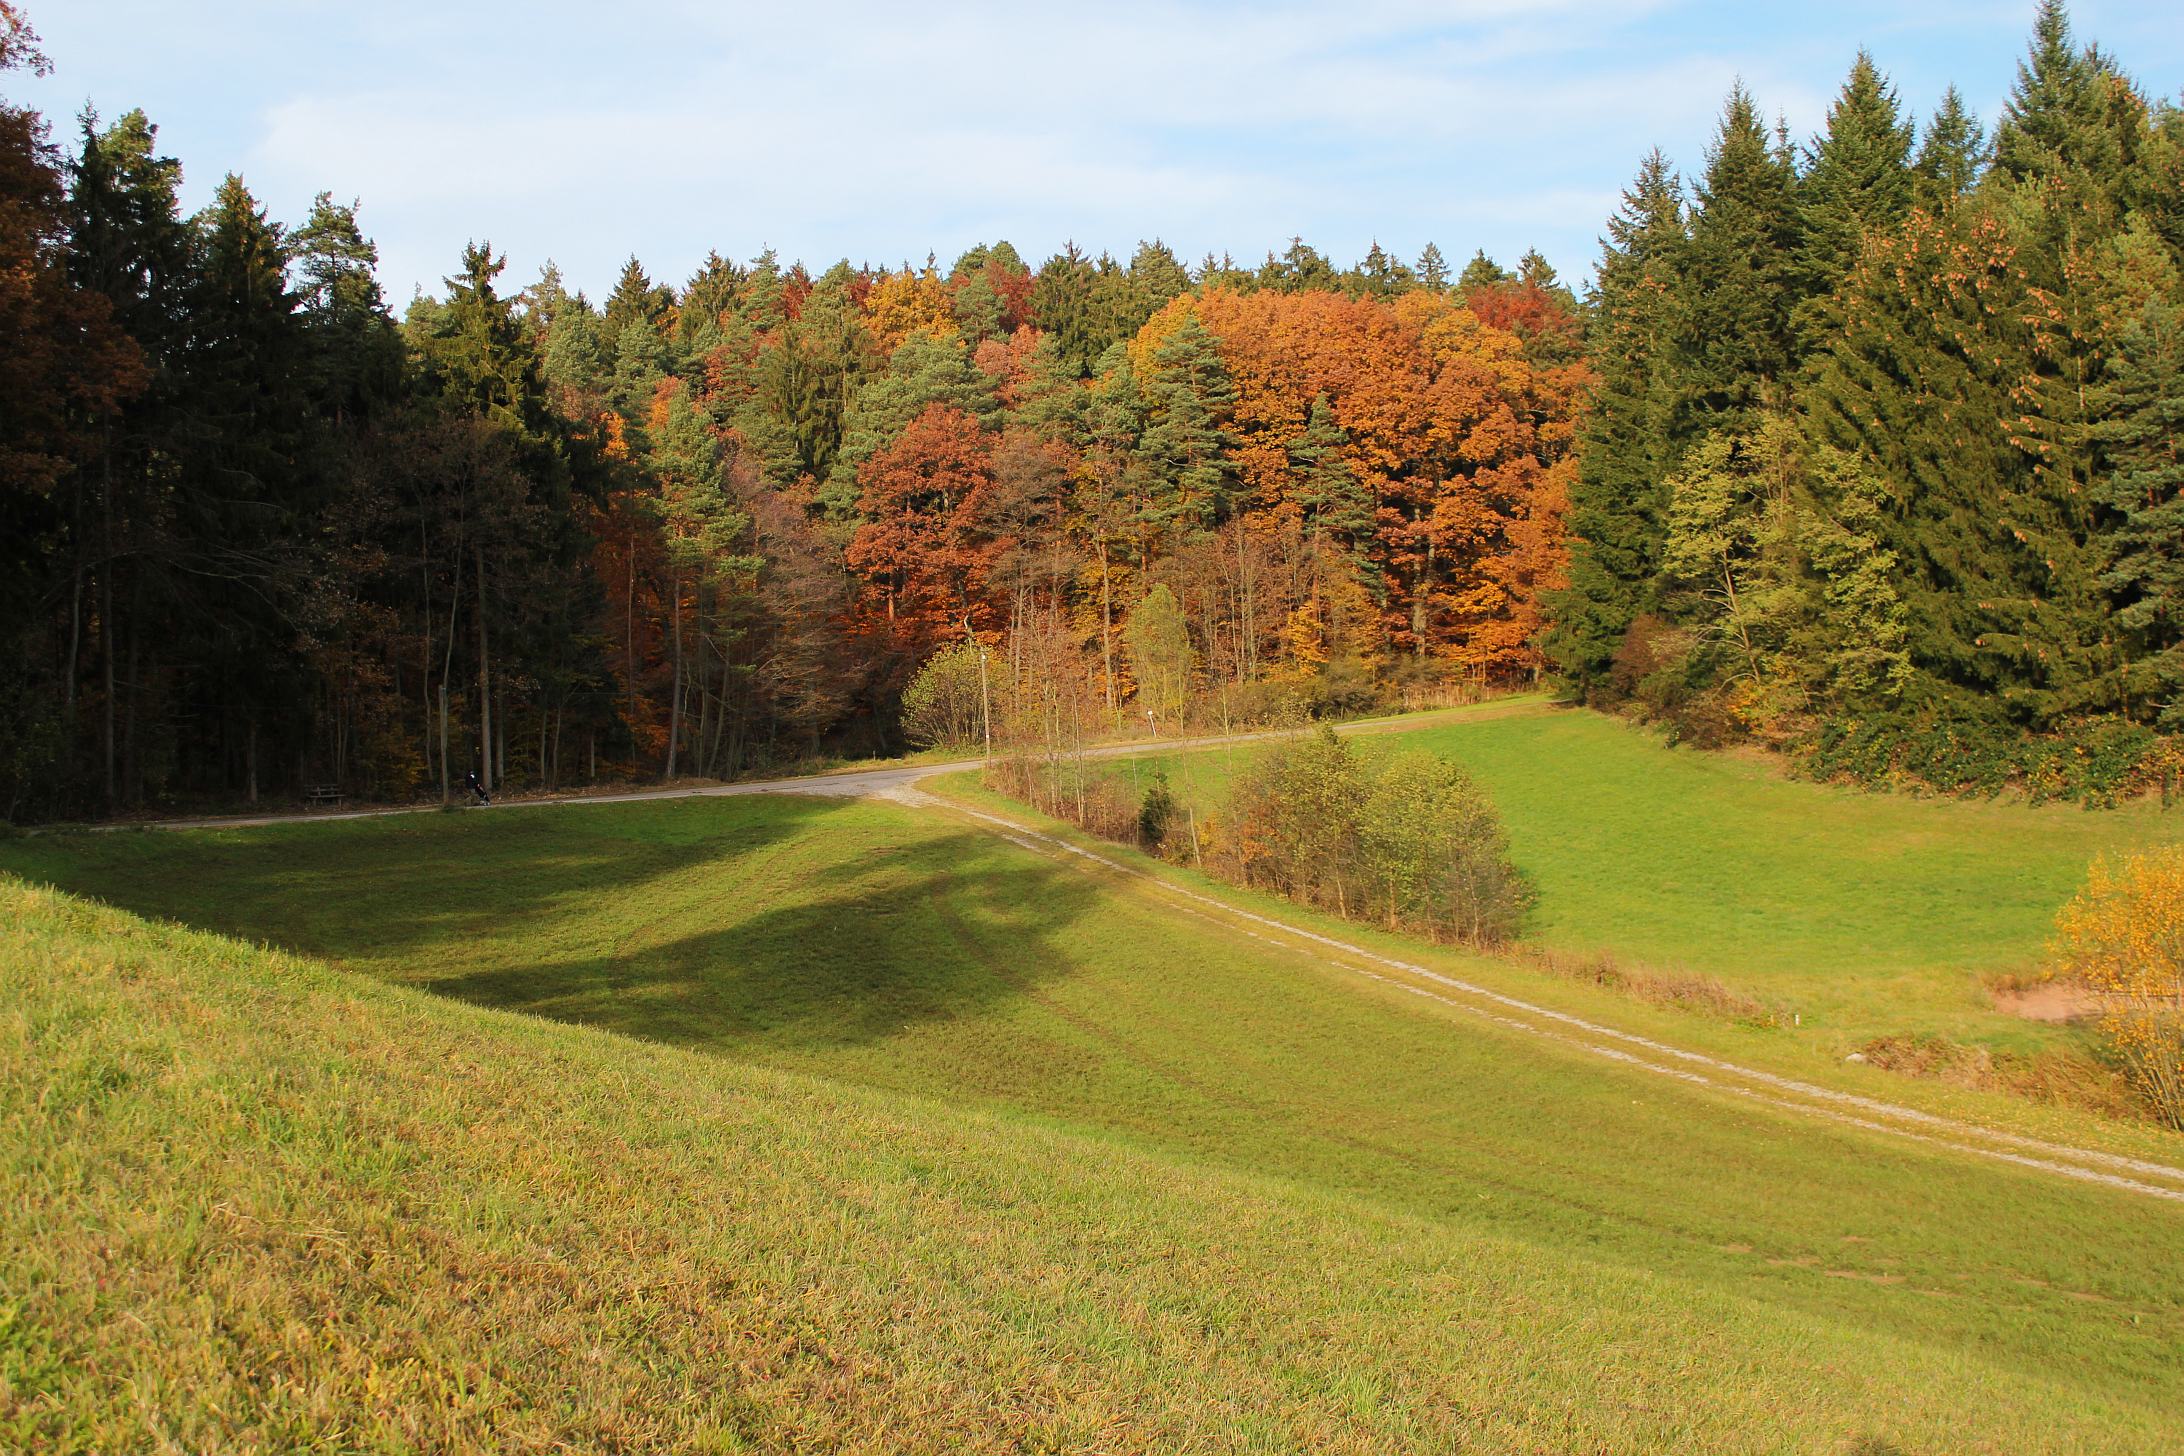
(1862, 914)
(1081, 1171)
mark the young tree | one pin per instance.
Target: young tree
(2119, 937)
(1162, 659)
(949, 702)
(1434, 854)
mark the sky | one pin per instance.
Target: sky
(881, 132)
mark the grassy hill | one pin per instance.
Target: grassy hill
(867, 1129)
(1868, 914)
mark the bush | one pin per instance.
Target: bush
(2095, 762)
(2123, 935)
(1156, 814)
(1413, 842)
(1435, 855)
(945, 704)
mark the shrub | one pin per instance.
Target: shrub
(945, 704)
(1156, 813)
(1434, 853)
(1413, 842)
(1296, 814)
(2123, 935)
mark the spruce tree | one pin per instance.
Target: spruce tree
(636, 300)
(2055, 109)
(1734, 347)
(1188, 396)
(1158, 275)
(1952, 154)
(1857, 177)
(2142, 439)
(1616, 505)
(1432, 270)
(1480, 272)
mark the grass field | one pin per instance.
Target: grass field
(870, 1128)
(1865, 914)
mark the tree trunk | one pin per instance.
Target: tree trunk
(485, 679)
(443, 741)
(675, 694)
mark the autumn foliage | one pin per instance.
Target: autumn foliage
(2123, 937)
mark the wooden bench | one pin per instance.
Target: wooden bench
(322, 796)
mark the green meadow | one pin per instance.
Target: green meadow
(783, 1123)
(1862, 914)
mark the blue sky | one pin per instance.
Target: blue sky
(880, 132)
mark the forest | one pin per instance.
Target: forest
(1862, 446)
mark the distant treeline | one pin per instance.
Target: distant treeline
(1866, 449)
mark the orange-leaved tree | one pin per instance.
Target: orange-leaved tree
(927, 544)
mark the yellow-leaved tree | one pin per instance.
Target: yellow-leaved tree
(2123, 936)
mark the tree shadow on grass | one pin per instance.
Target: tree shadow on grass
(401, 888)
(940, 929)
(547, 911)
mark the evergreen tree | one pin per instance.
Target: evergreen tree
(1335, 502)
(1928, 345)
(477, 353)
(636, 300)
(1158, 275)
(1480, 272)
(924, 371)
(1857, 177)
(1380, 275)
(248, 490)
(1952, 155)
(1734, 348)
(1627, 450)
(1061, 304)
(354, 343)
(2142, 436)
(1188, 397)
(1301, 268)
(1432, 270)
(2055, 110)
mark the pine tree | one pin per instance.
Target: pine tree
(923, 372)
(1334, 501)
(1432, 270)
(2142, 437)
(1857, 177)
(1734, 349)
(358, 352)
(1952, 155)
(1616, 515)
(1188, 397)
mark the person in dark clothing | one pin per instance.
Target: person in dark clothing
(477, 788)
